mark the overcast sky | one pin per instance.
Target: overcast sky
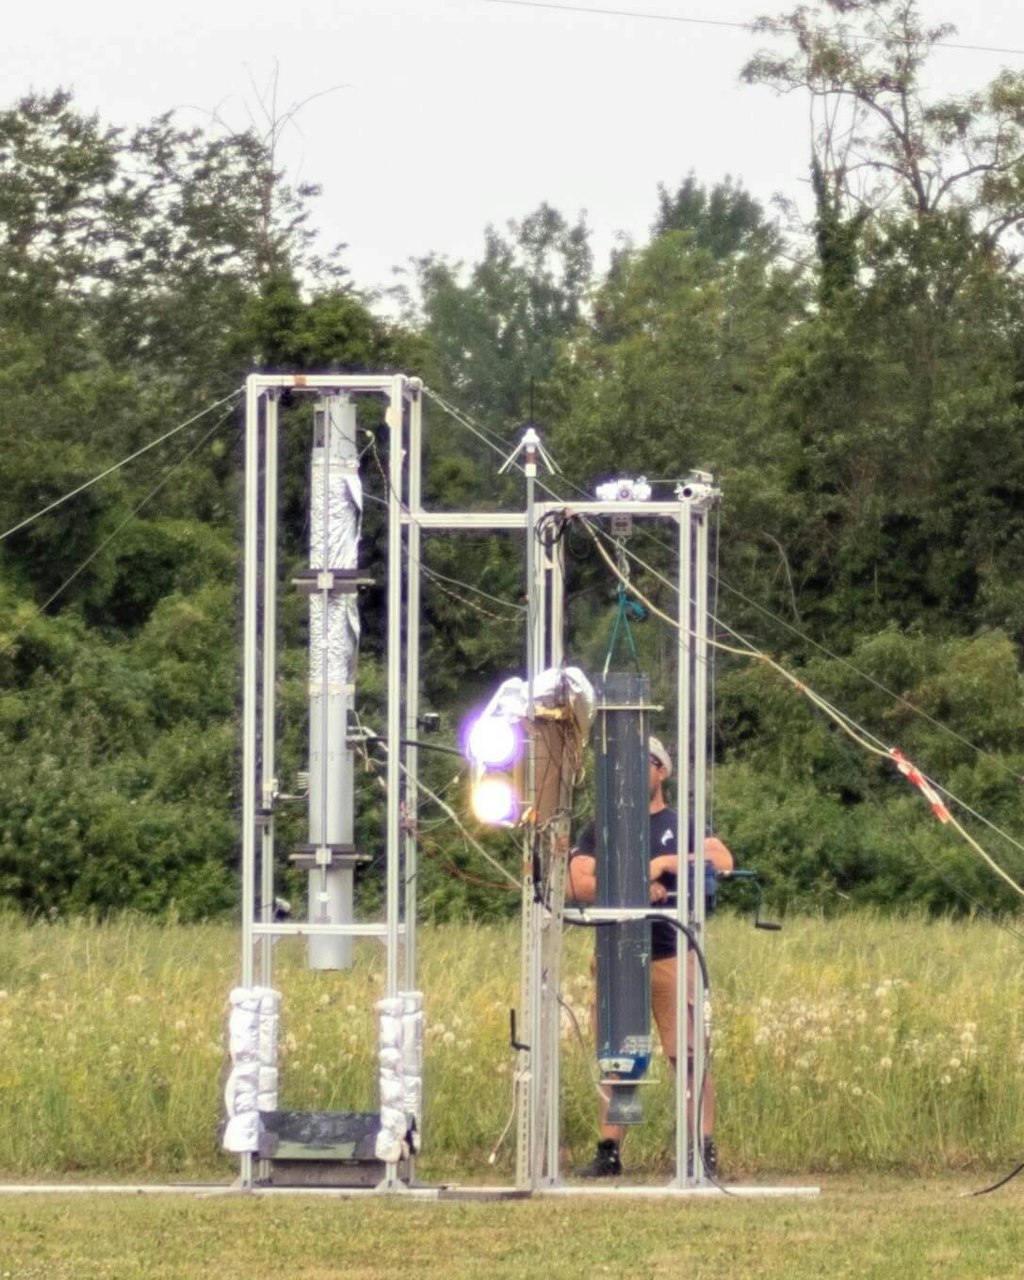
(435, 117)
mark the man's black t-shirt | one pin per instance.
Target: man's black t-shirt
(664, 839)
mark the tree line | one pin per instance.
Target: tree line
(855, 384)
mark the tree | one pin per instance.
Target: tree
(495, 334)
(724, 220)
(877, 143)
(899, 390)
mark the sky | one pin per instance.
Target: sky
(426, 120)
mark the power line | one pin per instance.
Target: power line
(620, 13)
(776, 28)
(11, 640)
(862, 736)
(118, 465)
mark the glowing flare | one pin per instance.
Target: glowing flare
(494, 800)
(493, 741)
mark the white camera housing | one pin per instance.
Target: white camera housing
(624, 490)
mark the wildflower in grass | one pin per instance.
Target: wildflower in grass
(885, 1064)
(945, 1079)
(448, 1037)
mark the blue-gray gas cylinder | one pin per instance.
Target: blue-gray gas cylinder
(622, 856)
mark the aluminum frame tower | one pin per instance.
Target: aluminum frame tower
(408, 521)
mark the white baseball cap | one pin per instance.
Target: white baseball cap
(659, 753)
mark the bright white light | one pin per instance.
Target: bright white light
(493, 741)
(494, 801)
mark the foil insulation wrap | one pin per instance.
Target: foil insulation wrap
(335, 519)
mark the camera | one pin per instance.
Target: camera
(624, 490)
(699, 486)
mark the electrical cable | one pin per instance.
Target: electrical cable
(869, 679)
(439, 577)
(466, 835)
(581, 922)
(995, 1185)
(52, 506)
(12, 639)
(774, 27)
(566, 520)
(595, 1077)
(438, 581)
(473, 428)
(835, 657)
(857, 733)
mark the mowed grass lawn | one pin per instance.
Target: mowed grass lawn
(864, 1227)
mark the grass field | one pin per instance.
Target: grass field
(846, 1046)
(871, 1228)
(879, 1059)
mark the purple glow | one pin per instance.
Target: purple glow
(492, 741)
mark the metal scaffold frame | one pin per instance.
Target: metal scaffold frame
(538, 1103)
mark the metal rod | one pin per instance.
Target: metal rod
(684, 747)
(268, 739)
(396, 449)
(284, 929)
(700, 754)
(412, 684)
(249, 701)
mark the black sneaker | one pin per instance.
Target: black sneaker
(707, 1166)
(605, 1164)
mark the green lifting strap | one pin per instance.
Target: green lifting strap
(626, 607)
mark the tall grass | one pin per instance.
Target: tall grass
(840, 1045)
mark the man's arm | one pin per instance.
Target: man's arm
(715, 852)
(718, 854)
(581, 878)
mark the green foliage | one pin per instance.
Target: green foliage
(862, 410)
(828, 824)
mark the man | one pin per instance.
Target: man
(663, 875)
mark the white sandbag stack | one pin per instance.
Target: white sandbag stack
(252, 1083)
(401, 1075)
